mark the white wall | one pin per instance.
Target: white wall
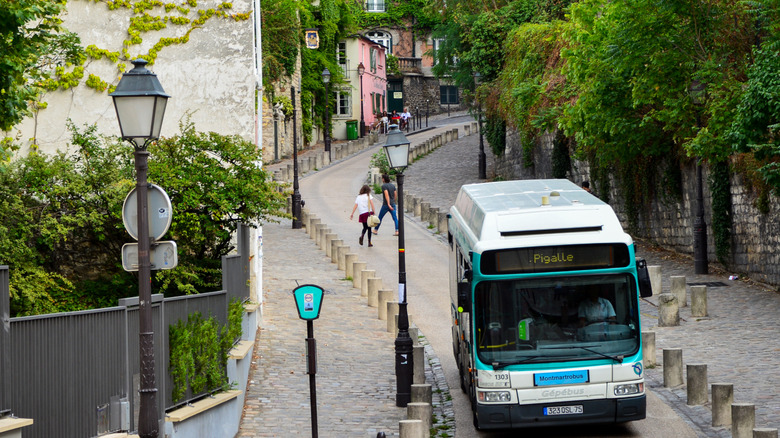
(212, 75)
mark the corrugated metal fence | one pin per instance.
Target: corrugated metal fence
(76, 374)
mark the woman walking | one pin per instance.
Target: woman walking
(365, 207)
(389, 196)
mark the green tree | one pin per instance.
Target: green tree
(61, 229)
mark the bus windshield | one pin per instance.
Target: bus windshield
(556, 319)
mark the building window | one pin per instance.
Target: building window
(438, 43)
(449, 94)
(382, 38)
(375, 6)
(372, 58)
(343, 103)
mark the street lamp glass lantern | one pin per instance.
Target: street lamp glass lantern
(140, 103)
(397, 148)
(325, 76)
(477, 78)
(361, 69)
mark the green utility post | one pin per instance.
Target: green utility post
(308, 301)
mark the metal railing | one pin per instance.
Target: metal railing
(77, 373)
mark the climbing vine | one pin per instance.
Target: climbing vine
(720, 188)
(147, 16)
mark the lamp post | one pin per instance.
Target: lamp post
(140, 104)
(482, 160)
(297, 224)
(700, 262)
(326, 81)
(360, 70)
(397, 150)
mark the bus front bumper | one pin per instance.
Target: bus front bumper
(594, 412)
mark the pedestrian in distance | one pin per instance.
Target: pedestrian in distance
(586, 186)
(405, 116)
(365, 207)
(389, 198)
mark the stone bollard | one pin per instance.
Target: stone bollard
(418, 353)
(655, 279)
(422, 393)
(422, 412)
(722, 398)
(384, 296)
(443, 225)
(648, 347)
(409, 202)
(341, 256)
(668, 311)
(762, 432)
(304, 215)
(315, 234)
(697, 384)
(349, 259)
(374, 284)
(357, 269)
(425, 211)
(364, 276)
(330, 240)
(678, 289)
(673, 369)
(322, 238)
(418, 208)
(414, 332)
(312, 224)
(334, 249)
(743, 420)
(412, 429)
(699, 301)
(392, 317)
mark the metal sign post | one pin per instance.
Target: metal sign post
(308, 301)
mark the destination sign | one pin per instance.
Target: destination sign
(555, 258)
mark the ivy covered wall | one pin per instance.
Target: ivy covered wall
(202, 51)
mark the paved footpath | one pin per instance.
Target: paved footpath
(738, 341)
(354, 351)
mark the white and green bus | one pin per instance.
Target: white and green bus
(545, 292)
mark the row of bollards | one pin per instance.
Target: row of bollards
(740, 416)
(420, 410)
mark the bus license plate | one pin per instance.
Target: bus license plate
(563, 410)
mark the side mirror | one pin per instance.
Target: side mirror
(464, 297)
(643, 276)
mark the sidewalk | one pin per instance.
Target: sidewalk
(737, 341)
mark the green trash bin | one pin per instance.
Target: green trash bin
(352, 129)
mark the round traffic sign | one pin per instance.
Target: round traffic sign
(159, 212)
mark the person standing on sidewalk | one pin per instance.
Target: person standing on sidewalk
(365, 207)
(389, 198)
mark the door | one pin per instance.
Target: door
(395, 95)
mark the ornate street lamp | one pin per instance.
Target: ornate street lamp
(360, 70)
(482, 160)
(326, 81)
(140, 104)
(397, 150)
(698, 91)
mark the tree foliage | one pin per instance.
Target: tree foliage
(32, 43)
(61, 229)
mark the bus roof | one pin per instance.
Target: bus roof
(540, 212)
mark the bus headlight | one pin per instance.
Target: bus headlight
(633, 388)
(494, 396)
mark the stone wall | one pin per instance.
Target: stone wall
(669, 223)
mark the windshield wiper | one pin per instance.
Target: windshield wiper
(618, 359)
(500, 365)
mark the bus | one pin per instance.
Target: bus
(545, 288)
